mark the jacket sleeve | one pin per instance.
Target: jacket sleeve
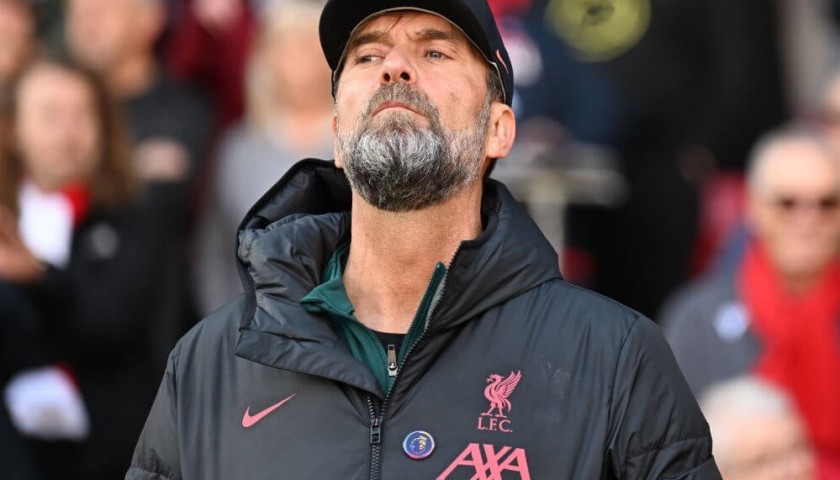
(656, 427)
(157, 455)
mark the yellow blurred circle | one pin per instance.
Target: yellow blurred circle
(599, 29)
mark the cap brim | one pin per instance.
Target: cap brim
(340, 18)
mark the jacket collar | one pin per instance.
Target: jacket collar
(289, 234)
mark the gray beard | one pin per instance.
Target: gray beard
(397, 165)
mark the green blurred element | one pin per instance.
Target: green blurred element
(599, 30)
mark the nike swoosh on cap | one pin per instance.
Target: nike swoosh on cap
(249, 420)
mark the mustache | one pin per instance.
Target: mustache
(402, 93)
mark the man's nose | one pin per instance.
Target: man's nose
(397, 68)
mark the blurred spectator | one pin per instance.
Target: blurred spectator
(169, 125)
(17, 37)
(723, 234)
(77, 256)
(209, 42)
(289, 117)
(756, 432)
(778, 312)
(169, 122)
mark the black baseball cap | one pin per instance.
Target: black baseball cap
(341, 17)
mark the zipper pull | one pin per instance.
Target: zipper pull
(392, 360)
(375, 431)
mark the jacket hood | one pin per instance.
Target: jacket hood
(289, 234)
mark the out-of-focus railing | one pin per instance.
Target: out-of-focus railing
(547, 177)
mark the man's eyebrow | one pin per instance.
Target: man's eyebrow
(425, 34)
(438, 34)
(364, 39)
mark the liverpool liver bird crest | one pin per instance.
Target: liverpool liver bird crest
(498, 391)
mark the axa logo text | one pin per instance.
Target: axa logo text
(488, 463)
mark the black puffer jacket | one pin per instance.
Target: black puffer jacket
(518, 375)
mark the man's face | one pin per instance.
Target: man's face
(795, 207)
(102, 33)
(411, 111)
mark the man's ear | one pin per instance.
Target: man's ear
(501, 131)
(335, 141)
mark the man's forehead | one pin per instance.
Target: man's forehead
(419, 25)
(798, 163)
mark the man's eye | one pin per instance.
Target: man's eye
(436, 55)
(368, 58)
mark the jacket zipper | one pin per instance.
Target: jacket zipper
(375, 440)
(392, 360)
(377, 417)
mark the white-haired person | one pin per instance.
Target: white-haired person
(757, 431)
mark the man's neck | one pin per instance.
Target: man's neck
(132, 76)
(393, 255)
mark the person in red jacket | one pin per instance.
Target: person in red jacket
(777, 314)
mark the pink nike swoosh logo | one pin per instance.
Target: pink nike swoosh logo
(249, 420)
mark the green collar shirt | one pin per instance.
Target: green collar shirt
(330, 298)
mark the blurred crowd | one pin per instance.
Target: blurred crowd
(135, 135)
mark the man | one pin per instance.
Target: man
(777, 314)
(413, 324)
(757, 432)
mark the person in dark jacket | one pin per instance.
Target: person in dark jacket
(78, 271)
(402, 316)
